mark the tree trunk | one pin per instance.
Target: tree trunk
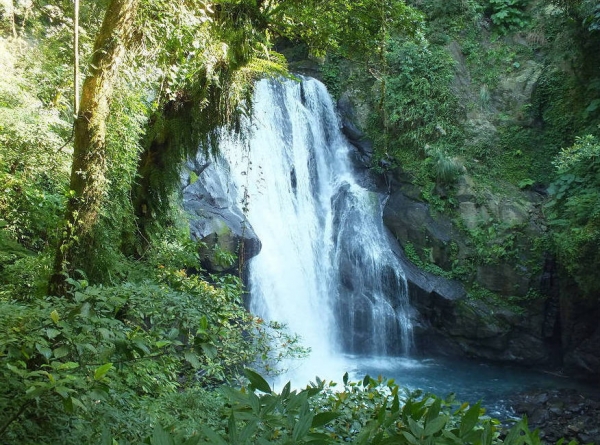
(88, 171)
(76, 59)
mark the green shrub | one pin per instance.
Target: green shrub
(446, 169)
(508, 15)
(368, 412)
(574, 211)
(420, 104)
(98, 357)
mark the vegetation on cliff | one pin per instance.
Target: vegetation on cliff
(479, 113)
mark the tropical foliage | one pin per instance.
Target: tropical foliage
(132, 344)
(574, 210)
(366, 412)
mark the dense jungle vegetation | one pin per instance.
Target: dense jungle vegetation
(110, 331)
(436, 97)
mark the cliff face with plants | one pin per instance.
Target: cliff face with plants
(484, 129)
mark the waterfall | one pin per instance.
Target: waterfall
(325, 268)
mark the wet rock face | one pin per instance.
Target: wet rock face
(580, 335)
(472, 327)
(445, 321)
(560, 328)
(215, 219)
(568, 413)
(411, 222)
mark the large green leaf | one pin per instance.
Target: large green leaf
(257, 381)
(411, 439)
(191, 357)
(434, 410)
(248, 431)
(209, 349)
(435, 425)
(324, 418)
(302, 426)
(469, 420)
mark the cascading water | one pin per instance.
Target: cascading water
(325, 268)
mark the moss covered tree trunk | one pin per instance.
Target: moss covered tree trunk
(88, 172)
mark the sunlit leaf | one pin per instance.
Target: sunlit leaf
(101, 371)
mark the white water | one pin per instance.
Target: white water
(325, 268)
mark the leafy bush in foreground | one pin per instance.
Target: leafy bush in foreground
(368, 412)
(108, 356)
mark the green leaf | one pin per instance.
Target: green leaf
(319, 439)
(366, 380)
(514, 434)
(63, 391)
(203, 325)
(54, 316)
(286, 390)
(90, 347)
(593, 106)
(44, 350)
(213, 437)
(395, 404)
(67, 365)
(415, 428)
(257, 381)
(35, 391)
(192, 359)
(68, 405)
(16, 370)
(77, 402)
(411, 439)
(161, 437)
(434, 410)
(52, 333)
(106, 438)
(232, 428)
(271, 402)
(102, 371)
(141, 345)
(324, 418)
(209, 350)
(105, 333)
(345, 378)
(302, 426)
(254, 402)
(469, 420)
(61, 352)
(488, 434)
(435, 425)
(234, 395)
(297, 401)
(381, 413)
(248, 431)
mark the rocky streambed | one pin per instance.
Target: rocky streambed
(561, 413)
